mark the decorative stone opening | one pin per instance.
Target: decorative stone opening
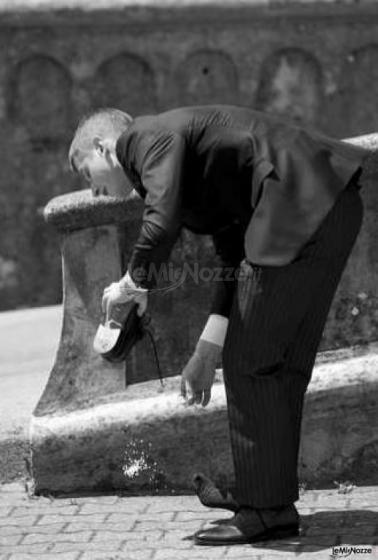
(207, 76)
(291, 84)
(126, 82)
(40, 99)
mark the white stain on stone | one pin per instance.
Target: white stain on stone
(137, 461)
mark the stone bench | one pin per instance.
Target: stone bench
(101, 426)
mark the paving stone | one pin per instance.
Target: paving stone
(109, 536)
(52, 519)
(128, 536)
(250, 557)
(97, 500)
(133, 504)
(36, 549)
(175, 554)
(177, 503)
(44, 509)
(89, 509)
(136, 546)
(194, 516)
(161, 517)
(62, 556)
(17, 530)
(187, 526)
(242, 552)
(189, 545)
(179, 539)
(83, 525)
(99, 556)
(111, 547)
(160, 528)
(12, 499)
(5, 511)
(40, 502)
(9, 540)
(20, 521)
(126, 518)
(314, 555)
(12, 487)
(131, 555)
(82, 536)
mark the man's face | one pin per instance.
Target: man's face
(101, 169)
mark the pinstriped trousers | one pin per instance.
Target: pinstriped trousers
(276, 323)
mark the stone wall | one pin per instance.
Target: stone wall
(315, 62)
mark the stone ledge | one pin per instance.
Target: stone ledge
(150, 12)
(30, 5)
(132, 443)
(79, 210)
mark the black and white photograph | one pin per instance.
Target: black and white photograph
(188, 279)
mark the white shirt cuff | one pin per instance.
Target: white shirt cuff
(215, 329)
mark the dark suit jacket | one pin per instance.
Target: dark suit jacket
(260, 185)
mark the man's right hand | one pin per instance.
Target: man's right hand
(198, 375)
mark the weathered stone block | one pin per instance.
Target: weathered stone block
(144, 439)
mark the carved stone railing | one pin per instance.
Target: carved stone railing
(100, 425)
(91, 230)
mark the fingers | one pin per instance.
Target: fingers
(192, 397)
(142, 305)
(109, 306)
(196, 381)
(106, 297)
(206, 397)
(107, 303)
(104, 302)
(196, 398)
(183, 388)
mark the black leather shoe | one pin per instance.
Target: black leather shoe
(249, 526)
(212, 496)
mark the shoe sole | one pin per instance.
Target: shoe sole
(269, 535)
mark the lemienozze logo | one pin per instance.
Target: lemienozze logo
(343, 550)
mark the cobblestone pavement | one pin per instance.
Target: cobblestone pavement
(112, 527)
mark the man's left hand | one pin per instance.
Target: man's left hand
(198, 375)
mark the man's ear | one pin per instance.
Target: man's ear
(108, 144)
(98, 144)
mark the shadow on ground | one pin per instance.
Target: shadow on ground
(325, 529)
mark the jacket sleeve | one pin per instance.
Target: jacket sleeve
(229, 247)
(158, 160)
